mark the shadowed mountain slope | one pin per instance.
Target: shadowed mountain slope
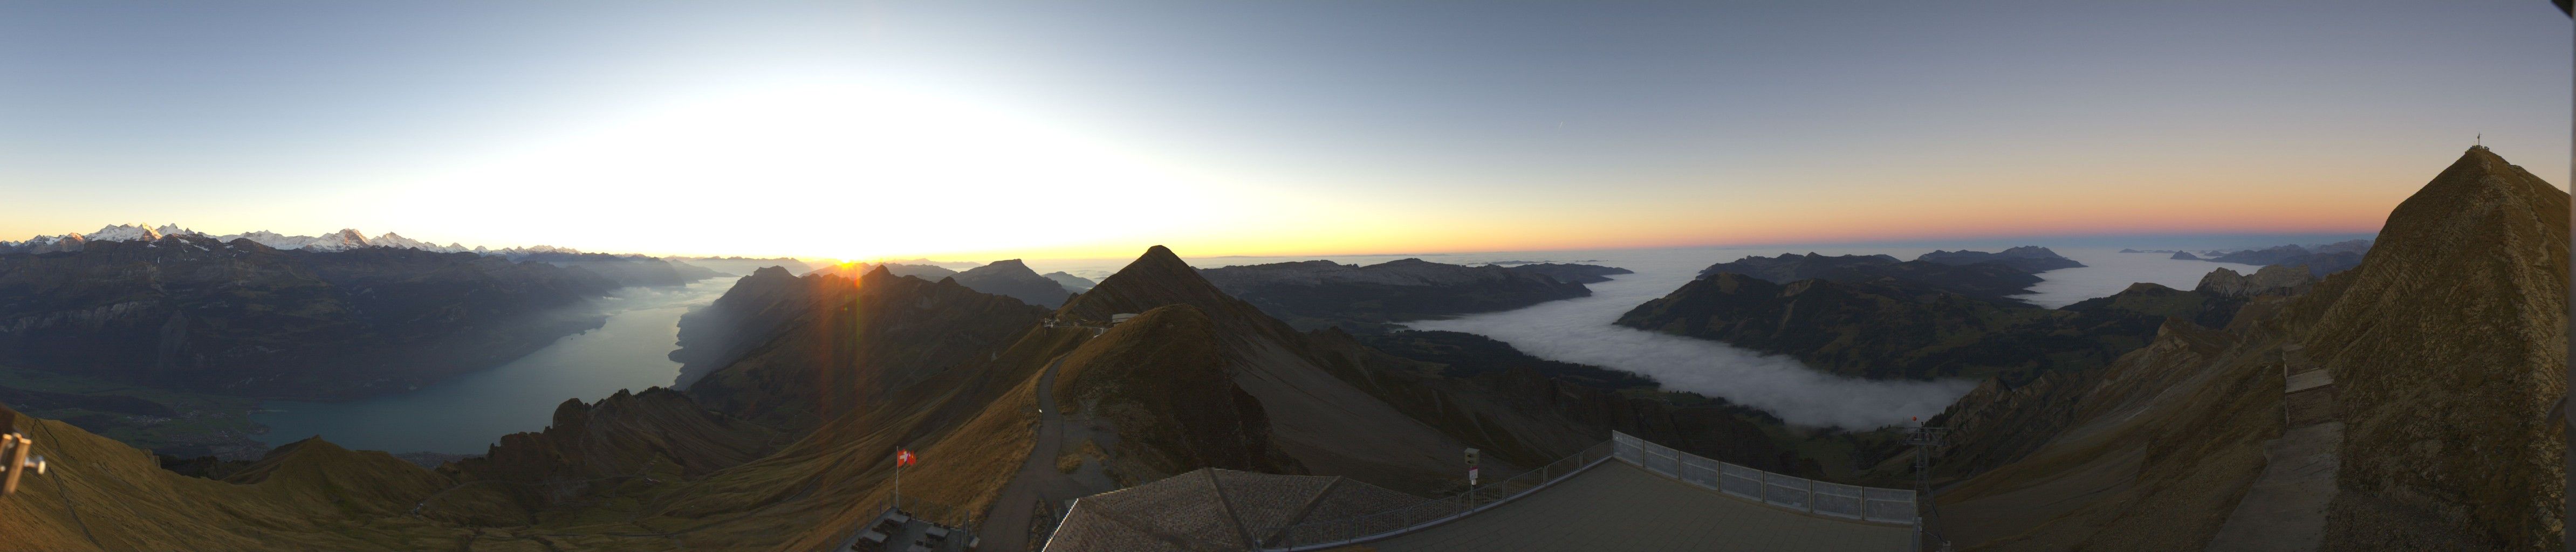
(2445, 349)
(653, 435)
(834, 344)
(1336, 407)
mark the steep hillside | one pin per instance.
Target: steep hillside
(875, 335)
(2446, 351)
(1010, 278)
(748, 315)
(241, 318)
(101, 495)
(1163, 385)
(627, 437)
(2448, 348)
(1334, 405)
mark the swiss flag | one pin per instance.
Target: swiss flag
(903, 457)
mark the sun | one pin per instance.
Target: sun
(850, 171)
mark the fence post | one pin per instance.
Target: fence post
(1811, 494)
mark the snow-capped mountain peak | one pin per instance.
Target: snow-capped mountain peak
(343, 240)
(124, 232)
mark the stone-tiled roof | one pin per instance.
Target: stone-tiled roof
(1213, 510)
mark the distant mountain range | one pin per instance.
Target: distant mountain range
(188, 311)
(2029, 257)
(345, 239)
(1318, 294)
(1990, 276)
(2320, 259)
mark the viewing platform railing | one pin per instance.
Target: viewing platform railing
(1869, 504)
(1323, 534)
(1872, 504)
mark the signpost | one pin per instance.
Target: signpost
(1471, 478)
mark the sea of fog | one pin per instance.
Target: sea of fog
(1579, 330)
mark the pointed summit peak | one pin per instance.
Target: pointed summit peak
(1156, 258)
(2481, 189)
(1160, 278)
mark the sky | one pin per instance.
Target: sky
(1093, 129)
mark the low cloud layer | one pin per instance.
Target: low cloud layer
(1579, 330)
(2107, 271)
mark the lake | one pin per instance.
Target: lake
(466, 414)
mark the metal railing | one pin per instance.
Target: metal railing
(1872, 504)
(1322, 534)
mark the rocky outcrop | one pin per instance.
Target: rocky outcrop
(1318, 294)
(2028, 258)
(246, 319)
(1985, 280)
(1013, 279)
(2270, 280)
